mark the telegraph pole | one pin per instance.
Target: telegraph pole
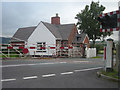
(119, 43)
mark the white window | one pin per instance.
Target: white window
(41, 46)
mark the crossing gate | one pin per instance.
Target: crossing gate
(8, 50)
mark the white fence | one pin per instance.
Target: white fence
(90, 52)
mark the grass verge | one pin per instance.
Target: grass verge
(97, 57)
(113, 74)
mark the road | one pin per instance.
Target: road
(54, 73)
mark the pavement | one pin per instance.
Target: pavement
(54, 73)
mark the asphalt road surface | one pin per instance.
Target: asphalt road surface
(54, 73)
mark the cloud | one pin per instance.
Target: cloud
(22, 14)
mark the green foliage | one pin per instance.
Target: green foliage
(88, 23)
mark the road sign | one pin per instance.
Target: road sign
(25, 51)
(109, 21)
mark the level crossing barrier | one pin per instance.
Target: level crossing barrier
(9, 49)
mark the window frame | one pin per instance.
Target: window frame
(40, 45)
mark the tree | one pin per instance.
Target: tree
(88, 23)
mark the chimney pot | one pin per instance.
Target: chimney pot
(56, 14)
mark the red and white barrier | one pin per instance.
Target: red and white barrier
(14, 47)
(11, 47)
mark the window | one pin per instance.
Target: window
(41, 46)
(65, 44)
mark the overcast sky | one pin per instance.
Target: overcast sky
(24, 14)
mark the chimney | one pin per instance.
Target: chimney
(55, 20)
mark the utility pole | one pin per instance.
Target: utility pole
(119, 43)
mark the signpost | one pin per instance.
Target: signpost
(110, 22)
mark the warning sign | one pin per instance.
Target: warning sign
(25, 51)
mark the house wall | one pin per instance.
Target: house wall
(42, 34)
(72, 35)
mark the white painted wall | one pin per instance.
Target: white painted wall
(90, 52)
(42, 34)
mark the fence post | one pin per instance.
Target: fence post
(8, 51)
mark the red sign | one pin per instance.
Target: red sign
(25, 51)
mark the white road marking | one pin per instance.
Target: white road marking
(63, 62)
(81, 61)
(48, 75)
(31, 64)
(87, 69)
(66, 73)
(31, 77)
(8, 80)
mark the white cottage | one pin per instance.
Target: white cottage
(38, 39)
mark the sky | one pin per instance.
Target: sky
(17, 14)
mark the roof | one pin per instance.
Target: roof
(23, 34)
(79, 38)
(65, 30)
(53, 29)
(60, 31)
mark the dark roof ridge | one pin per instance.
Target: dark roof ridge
(59, 24)
(28, 27)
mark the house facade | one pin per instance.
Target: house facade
(51, 38)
